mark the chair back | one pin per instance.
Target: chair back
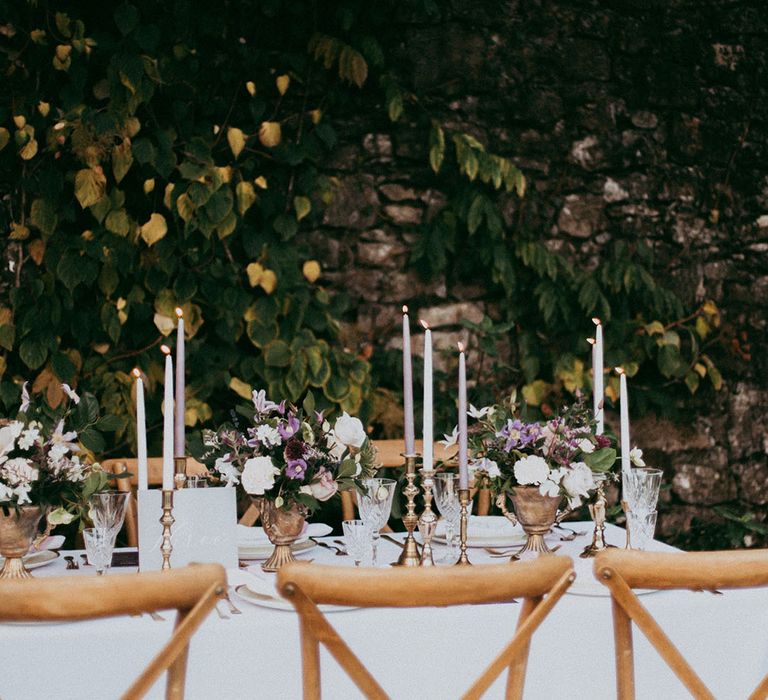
(541, 583)
(120, 465)
(193, 591)
(624, 570)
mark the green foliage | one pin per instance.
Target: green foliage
(160, 157)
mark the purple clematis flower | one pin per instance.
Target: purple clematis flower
(261, 403)
(290, 429)
(296, 469)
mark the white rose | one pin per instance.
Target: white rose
(531, 470)
(578, 480)
(8, 435)
(258, 475)
(349, 431)
(586, 446)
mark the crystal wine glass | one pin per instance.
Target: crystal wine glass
(375, 506)
(447, 501)
(99, 543)
(357, 539)
(641, 489)
(107, 510)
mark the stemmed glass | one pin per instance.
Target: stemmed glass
(99, 543)
(640, 488)
(447, 501)
(375, 506)
(357, 539)
(107, 511)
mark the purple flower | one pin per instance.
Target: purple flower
(602, 441)
(290, 429)
(281, 408)
(261, 403)
(296, 469)
(319, 417)
(294, 449)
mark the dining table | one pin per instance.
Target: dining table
(251, 648)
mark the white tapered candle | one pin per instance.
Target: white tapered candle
(427, 415)
(463, 463)
(168, 421)
(410, 442)
(597, 381)
(141, 433)
(624, 420)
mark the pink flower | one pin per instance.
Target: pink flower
(325, 487)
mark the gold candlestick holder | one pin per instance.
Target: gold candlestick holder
(179, 472)
(410, 555)
(597, 511)
(463, 520)
(167, 520)
(625, 507)
(428, 519)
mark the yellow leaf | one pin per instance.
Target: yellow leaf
(5, 136)
(122, 316)
(101, 348)
(167, 195)
(270, 134)
(149, 185)
(236, 140)
(165, 324)
(122, 159)
(20, 121)
(261, 182)
(283, 81)
(18, 232)
(254, 272)
(185, 207)
(316, 115)
(89, 186)
(37, 35)
(702, 327)
(62, 60)
(268, 281)
(43, 108)
(228, 226)
(29, 151)
(87, 235)
(246, 196)
(251, 314)
(120, 303)
(311, 271)
(222, 175)
(251, 87)
(303, 206)
(535, 392)
(701, 370)
(37, 250)
(242, 389)
(654, 328)
(709, 307)
(154, 229)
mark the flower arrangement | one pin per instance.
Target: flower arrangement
(292, 456)
(559, 456)
(40, 464)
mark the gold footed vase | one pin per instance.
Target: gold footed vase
(535, 513)
(283, 527)
(17, 531)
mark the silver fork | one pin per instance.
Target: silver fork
(232, 607)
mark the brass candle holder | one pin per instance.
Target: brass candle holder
(463, 520)
(625, 507)
(410, 555)
(179, 472)
(597, 511)
(428, 519)
(167, 520)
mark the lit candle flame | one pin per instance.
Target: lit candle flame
(179, 312)
(424, 324)
(619, 370)
(136, 373)
(405, 309)
(165, 349)
(591, 341)
(596, 320)
(461, 346)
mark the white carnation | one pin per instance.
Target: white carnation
(531, 470)
(578, 481)
(259, 475)
(268, 436)
(349, 431)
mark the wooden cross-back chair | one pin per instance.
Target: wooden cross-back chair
(121, 465)
(624, 570)
(541, 583)
(193, 591)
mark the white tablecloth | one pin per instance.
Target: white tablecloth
(425, 653)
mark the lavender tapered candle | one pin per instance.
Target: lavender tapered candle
(410, 442)
(168, 421)
(624, 420)
(427, 415)
(597, 378)
(180, 445)
(463, 465)
(141, 434)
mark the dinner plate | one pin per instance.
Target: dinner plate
(486, 531)
(263, 600)
(36, 559)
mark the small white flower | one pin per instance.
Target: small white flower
(19, 471)
(6, 493)
(488, 466)
(636, 457)
(28, 438)
(8, 435)
(22, 494)
(69, 391)
(259, 475)
(478, 412)
(268, 436)
(549, 488)
(586, 446)
(227, 470)
(452, 439)
(349, 431)
(531, 469)
(24, 398)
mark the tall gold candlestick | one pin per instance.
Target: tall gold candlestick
(428, 519)
(410, 555)
(597, 511)
(179, 472)
(167, 521)
(463, 520)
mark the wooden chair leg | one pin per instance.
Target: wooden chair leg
(625, 666)
(132, 523)
(177, 671)
(761, 692)
(483, 502)
(310, 660)
(250, 516)
(516, 673)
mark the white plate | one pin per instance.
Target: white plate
(253, 543)
(264, 551)
(267, 601)
(486, 531)
(36, 559)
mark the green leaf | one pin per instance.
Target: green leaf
(670, 363)
(92, 440)
(33, 352)
(7, 336)
(475, 215)
(62, 367)
(261, 335)
(122, 159)
(126, 18)
(117, 222)
(89, 186)
(715, 377)
(600, 460)
(43, 216)
(303, 206)
(286, 226)
(109, 424)
(692, 381)
(277, 354)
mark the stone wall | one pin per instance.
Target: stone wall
(634, 119)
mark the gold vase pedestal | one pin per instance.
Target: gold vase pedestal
(17, 532)
(536, 514)
(283, 527)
